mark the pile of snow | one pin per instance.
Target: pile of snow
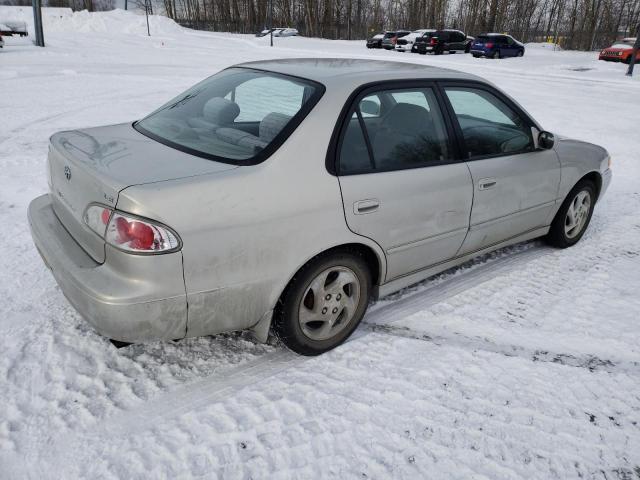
(544, 45)
(63, 20)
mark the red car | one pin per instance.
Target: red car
(620, 51)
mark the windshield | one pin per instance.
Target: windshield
(623, 46)
(237, 116)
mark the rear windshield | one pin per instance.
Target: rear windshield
(238, 116)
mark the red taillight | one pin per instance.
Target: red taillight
(489, 45)
(433, 41)
(138, 235)
(105, 215)
(131, 233)
(134, 234)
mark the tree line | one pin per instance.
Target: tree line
(573, 24)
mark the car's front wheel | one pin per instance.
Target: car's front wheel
(324, 303)
(574, 216)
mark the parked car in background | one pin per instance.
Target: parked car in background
(621, 51)
(407, 171)
(285, 32)
(390, 38)
(496, 45)
(9, 28)
(441, 41)
(376, 40)
(405, 43)
(265, 32)
(278, 32)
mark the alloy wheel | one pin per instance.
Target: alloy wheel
(577, 214)
(329, 303)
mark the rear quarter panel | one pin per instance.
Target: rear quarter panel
(246, 231)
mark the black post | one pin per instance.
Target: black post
(634, 53)
(125, 4)
(37, 22)
(147, 6)
(271, 21)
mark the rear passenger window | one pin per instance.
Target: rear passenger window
(489, 126)
(410, 133)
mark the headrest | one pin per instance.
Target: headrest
(220, 110)
(271, 125)
(407, 117)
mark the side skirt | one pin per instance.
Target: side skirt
(415, 277)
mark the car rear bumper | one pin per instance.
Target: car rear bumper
(478, 52)
(130, 298)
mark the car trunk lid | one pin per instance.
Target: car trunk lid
(94, 165)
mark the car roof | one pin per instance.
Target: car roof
(329, 71)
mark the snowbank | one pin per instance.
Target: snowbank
(544, 45)
(63, 20)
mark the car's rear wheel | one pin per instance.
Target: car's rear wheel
(476, 56)
(324, 303)
(496, 54)
(574, 216)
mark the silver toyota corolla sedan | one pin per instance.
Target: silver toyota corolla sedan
(285, 195)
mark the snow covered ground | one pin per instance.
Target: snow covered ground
(521, 364)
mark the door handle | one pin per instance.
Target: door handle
(486, 183)
(366, 206)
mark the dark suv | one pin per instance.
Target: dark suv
(496, 45)
(442, 41)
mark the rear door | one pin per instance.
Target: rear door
(511, 48)
(458, 41)
(515, 184)
(401, 183)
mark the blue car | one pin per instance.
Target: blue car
(496, 45)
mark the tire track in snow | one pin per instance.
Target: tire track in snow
(589, 362)
(66, 449)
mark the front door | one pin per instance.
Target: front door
(515, 184)
(400, 183)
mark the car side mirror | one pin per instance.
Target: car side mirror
(369, 107)
(546, 140)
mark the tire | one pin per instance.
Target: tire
(520, 53)
(496, 54)
(422, 53)
(476, 56)
(560, 234)
(467, 49)
(314, 314)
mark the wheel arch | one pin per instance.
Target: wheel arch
(596, 179)
(373, 256)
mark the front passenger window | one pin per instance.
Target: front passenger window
(489, 126)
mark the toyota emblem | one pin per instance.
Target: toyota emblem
(67, 172)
